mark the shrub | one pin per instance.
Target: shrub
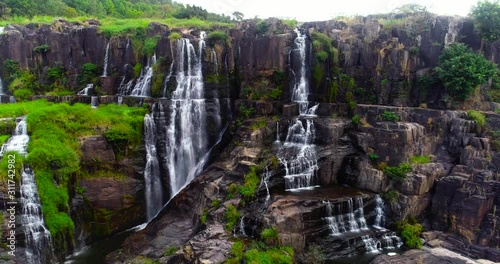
(3, 139)
(390, 116)
(461, 70)
(478, 117)
(237, 252)
(88, 74)
(150, 45)
(22, 94)
(279, 255)
(322, 56)
(411, 233)
(232, 216)
(259, 123)
(216, 36)
(232, 190)
(246, 111)
(261, 28)
(373, 157)
(44, 48)
(173, 36)
(248, 189)
(203, 218)
(216, 203)
(356, 120)
(170, 251)
(137, 70)
(420, 159)
(270, 236)
(399, 172)
(391, 196)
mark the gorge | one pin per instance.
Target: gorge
(329, 142)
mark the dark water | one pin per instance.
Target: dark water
(96, 252)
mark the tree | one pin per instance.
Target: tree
(238, 16)
(486, 16)
(461, 70)
(410, 9)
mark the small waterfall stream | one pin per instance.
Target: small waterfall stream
(37, 236)
(85, 91)
(154, 190)
(106, 60)
(143, 85)
(380, 216)
(298, 153)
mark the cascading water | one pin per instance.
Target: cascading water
(186, 133)
(143, 84)
(106, 59)
(214, 61)
(298, 153)
(85, 91)
(167, 79)
(331, 219)
(359, 213)
(94, 101)
(264, 182)
(391, 241)
(352, 221)
(372, 245)
(154, 192)
(37, 236)
(380, 215)
(2, 92)
(120, 100)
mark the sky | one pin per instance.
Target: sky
(315, 10)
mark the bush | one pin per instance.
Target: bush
(278, 255)
(270, 236)
(22, 94)
(88, 74)
(232, 216)
(478, 117)
(216, 203)
(173, 36)
(237, 252)
(170, 251)
(391, 196)
(322, 56)
(246, 111)
(390, 116)
(411, 233)
(261, 28)
(461, 70)
(41, 49)
(373, 157)
(150, 45)
(399, 172)
(420, 159)
(216, 36)
(259, 123)
(232, 190)
(356, 120)
(487, 19)
(248, 189)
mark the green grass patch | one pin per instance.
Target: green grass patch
(390, 116)
(170, 251)
(399, 172)
(216, 203)
(259, 123)
(420, 159)
(478, 117)
(410, 232)
(270, 236)
(232, 190)
(231, 216)
(247, 190)
(3, 139)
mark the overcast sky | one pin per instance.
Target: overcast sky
(313, 10)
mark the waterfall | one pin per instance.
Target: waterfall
(106, 59)
(353, 224)
(2, 92)
(167, 79)
(380, 215)
(2, 29)
(94, 101)
(372, 245)
(120, 100)
(360, 213)
(331, 220)
(214, 61)
(85, 91)
(37, 237)
(125, 88)
(19, 140)
(391, 241)
(298, 153)
(264, 182)
(154, 192)
(186, 133)
(12, 99)
(241, 227)
(143, 84)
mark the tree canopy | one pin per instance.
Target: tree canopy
(461, 70)
(486, 15)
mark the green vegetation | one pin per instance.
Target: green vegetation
(41, 49)
(203, 218)
(54, 150)
(237, 253)
(356, 120)
(88, 73)
(246, 112)
(170, 251)
(495, 144)
(390, 116)
(270, 236)
(247, 190)
(216, 36)
(478, 117)
(232, 190)
(391, 196)
(410, 232)
(278, 255)
(259, 123)
(487, 19)
(399, 172)
(261, 28)
(420, 159)
(373, 157)
(173, 36)
(232, 216)
(216, 203)
(3, 139)
(150, 45)
(461, 70)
